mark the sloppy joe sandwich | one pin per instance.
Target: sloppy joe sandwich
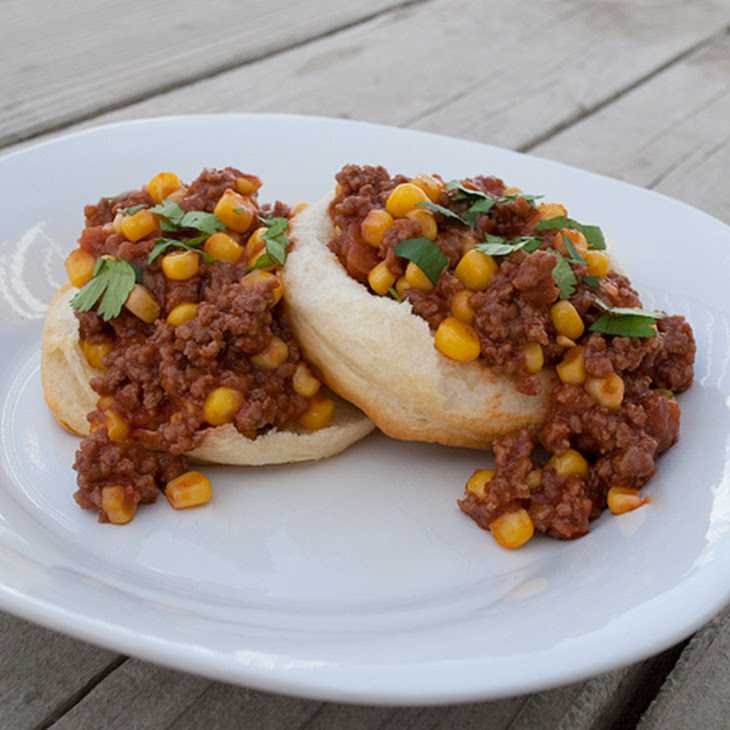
(472, 314)
(170, 344)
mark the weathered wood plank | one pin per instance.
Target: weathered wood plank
(41, 671)
(86, 56)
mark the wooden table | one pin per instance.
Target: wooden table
(635, 89)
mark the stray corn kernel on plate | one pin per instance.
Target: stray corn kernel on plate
(356, 578)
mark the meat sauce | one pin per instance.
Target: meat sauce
(204, 344)
(611, 410)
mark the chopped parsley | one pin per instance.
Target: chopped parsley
(626, 321)
(593, 234)
(498, 246)
(110, 285)
(276, 242)
(564, 276)
(425, 254)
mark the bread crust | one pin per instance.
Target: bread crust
(376, 353)
(65, 376)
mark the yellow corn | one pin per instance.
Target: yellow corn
(223, 246)
(401, 285)
(512, 190)
(318, 413)
(571, 462)
(457, 340)
(299, 207)
(475, 269)
(143, 304)
(116, 427)
(180, 265)
(304, 382)
(580, 244)
(273, 355)
(572, 368)
(163, 185)
(534, 357)
(622, 499)
(79, 267)
(430, 185)
(236, 211)
(513, 529)
(551, 210)
(381, 278)
(598, 263)
(248, 184)
(478, 481)
(609, 392)
(191, 489)
(460, 307)
(94, 352)
(429, 227)
(138, 225)
(566, 319)
(403, 199)
(221, 405)
(416, 278)
(182, 313)
(534, 479)
(258, 275)
(374, 225)
(255, 243)
(118, 503)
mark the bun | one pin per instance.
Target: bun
(65, 375)
(375, 353)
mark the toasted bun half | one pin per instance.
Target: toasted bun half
(376, 353)
(65, 375)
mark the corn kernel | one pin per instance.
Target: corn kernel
(571, 462)
(475, 269)
(143, 304)
(598, 263)
(478, 481)
(79, 267)
(318, 413)
(116, 427)
(381, 278)
(566, 319)
(608, 392)
(622, 499)
(551, 210)
(222, 246)
(512, 190)
(457, 340)
(180, 265)
(138, 225)
(163, 185)
(460, 307)
(572, 368)
(118, 503)
(191, 489)
(94, 352)
(182, 313)
(513, 529)
(255, 243)
(273, 355)
(402, 285)
(236, 211)
(374, 225)
(403, 199)
(429, 227)
(221, 405)
(304, 382)
(299, 207)
(534, 478)
(430, 185)
(416, 278)
(248, 184)
(578, 239)
(534, 357)
(258, 275)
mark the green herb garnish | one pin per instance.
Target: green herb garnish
(110, 285)
(394, 293)
(276, 242)
(445, 211)
(191, 244)
(425, 254)
(573, 256)
(173, 218)
(594, 282)
(564, 276)
(626, 321)
(593, 234)
(498, 246)
(131, 211)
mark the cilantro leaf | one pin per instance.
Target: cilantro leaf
(173, 218)
(131, 211)
(564, 276)
(191, 244)
(573, 256)
(394, 293)
(276, 242)
(445, 211)
(110, 285)
(626, 321)
(425, 254)
(498, 246)
(594, 282)
(593, 234)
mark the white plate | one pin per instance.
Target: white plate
(357, 579)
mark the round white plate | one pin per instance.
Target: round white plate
(355, 579)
